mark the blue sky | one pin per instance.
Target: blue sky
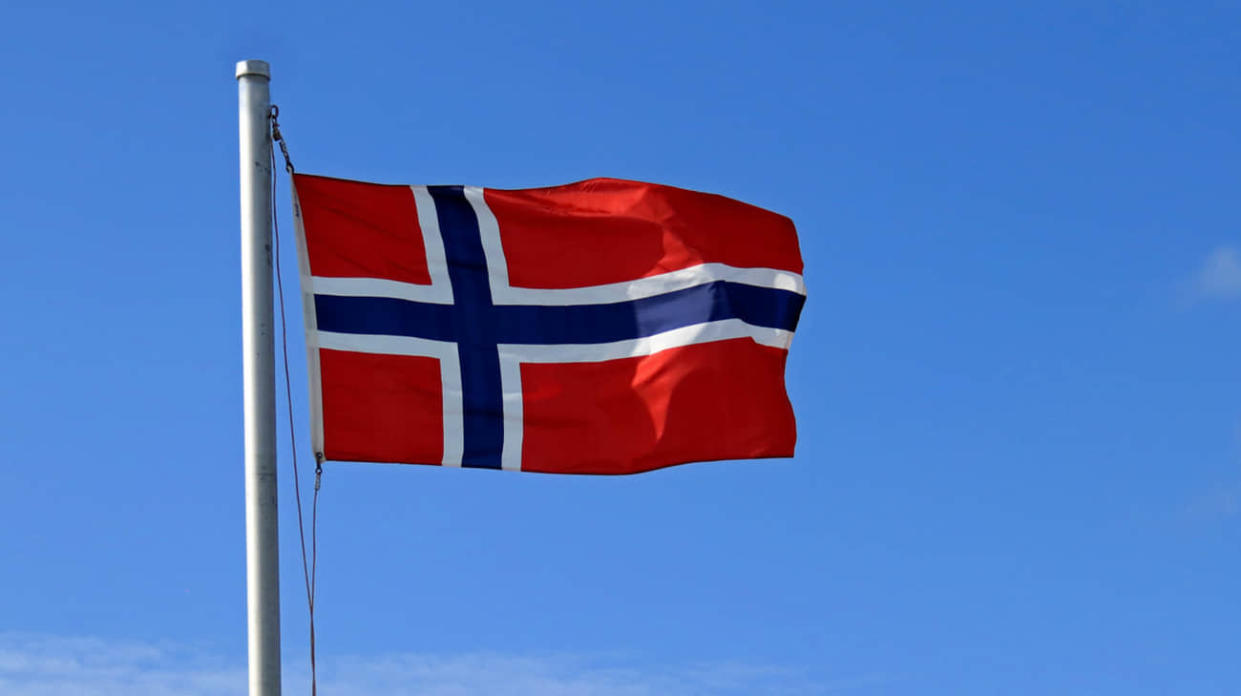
(1016, 378)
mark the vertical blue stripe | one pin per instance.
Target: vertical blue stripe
(473, 327)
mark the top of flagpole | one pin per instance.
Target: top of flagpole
(259, 68)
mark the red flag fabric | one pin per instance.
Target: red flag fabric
(602, 327)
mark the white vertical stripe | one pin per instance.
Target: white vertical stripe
(450, 362)
(433, 242)
(510, 370)
(489, 231)
(514, 426)
(454, 407)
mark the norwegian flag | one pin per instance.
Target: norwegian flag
(602, 327)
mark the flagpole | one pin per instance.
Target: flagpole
(258, 362)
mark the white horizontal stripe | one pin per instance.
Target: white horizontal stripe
(650, 286)
(685, 336)
(450, 375)
(378, 287)
(594, 294)
(387, 345)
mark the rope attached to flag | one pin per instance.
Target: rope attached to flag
(309, 569)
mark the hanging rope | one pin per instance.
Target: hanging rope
(309, 569)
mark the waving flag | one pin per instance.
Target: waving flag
(602, 327)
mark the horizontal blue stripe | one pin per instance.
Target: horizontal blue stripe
(546, 324)
(384, 315)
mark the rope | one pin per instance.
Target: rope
(309, 569)
(284, 148)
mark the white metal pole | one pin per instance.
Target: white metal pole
(262, 550)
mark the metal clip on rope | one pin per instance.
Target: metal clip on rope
(278, 138)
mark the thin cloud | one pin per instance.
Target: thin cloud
(32, 665)
(1219, 277)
